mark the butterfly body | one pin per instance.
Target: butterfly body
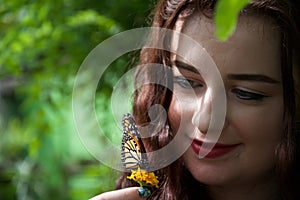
(133, 154)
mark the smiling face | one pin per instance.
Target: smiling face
(249, 64)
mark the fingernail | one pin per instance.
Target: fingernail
(144, 192)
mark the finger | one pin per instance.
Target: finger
(124, 194)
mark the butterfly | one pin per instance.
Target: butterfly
(133, 153)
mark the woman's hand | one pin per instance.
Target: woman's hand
(124, 194)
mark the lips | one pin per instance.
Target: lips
(218, 149)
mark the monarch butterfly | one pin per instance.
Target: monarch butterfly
(133, 150)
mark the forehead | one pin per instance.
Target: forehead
(254, 47)
(201, 27)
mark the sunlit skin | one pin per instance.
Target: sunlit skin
(249, 63)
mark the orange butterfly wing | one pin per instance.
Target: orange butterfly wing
(133, 152)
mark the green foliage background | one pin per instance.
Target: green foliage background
(42, 45)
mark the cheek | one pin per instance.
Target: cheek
(174, 114)
(259, 125)
(180, 113)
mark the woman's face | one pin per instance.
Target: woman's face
(249, 64)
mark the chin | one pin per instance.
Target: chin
(211, 172)
(212, 178)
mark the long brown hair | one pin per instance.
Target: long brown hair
(175, 181)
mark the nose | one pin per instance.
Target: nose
(202, 115)
(202, 118)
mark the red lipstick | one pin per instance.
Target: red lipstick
(218, 149)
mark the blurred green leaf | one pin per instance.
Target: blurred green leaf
(226, 16)
(43, 44)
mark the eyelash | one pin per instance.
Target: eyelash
(248, 96)
(241, 94)
(186, 83)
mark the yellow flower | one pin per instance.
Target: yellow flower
(143, 177)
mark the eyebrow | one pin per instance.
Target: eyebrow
(240, 77)
(185, 66)
(253, 77)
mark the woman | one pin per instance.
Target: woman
(257, 153)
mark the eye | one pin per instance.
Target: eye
(246, 95)
(186, 83)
